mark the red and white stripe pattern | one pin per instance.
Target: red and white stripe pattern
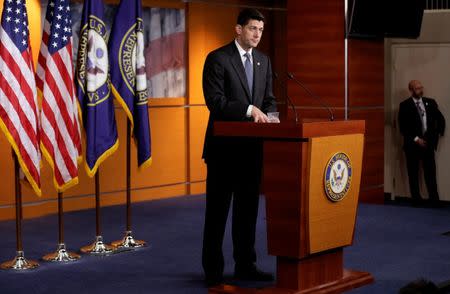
(18, 99)
(60, 137)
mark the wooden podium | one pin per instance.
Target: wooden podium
(306, 230)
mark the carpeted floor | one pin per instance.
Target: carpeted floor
(396, 244)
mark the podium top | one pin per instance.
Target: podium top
(289, 130)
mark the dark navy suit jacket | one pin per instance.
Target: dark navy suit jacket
(410, 122)
(227, 95)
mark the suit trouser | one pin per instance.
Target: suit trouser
(413, 158)
(225, 184)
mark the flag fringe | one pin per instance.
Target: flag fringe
(25, 170)
(146, 164)
(58, 187)
(124, 106)
(91, 172)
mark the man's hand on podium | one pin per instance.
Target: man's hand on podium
(259, 116)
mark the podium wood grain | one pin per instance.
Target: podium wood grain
(305, 230)
(334, 228)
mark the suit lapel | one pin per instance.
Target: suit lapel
(425, 104)
(427, 111)
(256, 77)
(416, 111)
(236, 61)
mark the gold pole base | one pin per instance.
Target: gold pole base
(19, 263)
(61, 255)
(98, 247)
(128, 242)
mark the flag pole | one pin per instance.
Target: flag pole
(98, 247)
(128, 241)
(19, 262)
(61, 254)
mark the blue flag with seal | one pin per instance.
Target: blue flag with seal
(94, 87)
(128, 75)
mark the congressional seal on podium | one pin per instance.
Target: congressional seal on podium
(338, 177)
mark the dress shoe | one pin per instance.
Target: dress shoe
(416, 202)
(435, 204)
(251, 273)
(213, 281)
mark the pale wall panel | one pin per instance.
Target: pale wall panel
(430, 64)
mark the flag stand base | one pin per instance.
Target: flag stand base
(128, 242)
(61, 255)
(19, 263)
(98, 247)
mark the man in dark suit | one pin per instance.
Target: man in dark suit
(421, 123)
(237, 86)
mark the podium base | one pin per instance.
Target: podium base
(19, 263)
(61, 255)
(350, 280)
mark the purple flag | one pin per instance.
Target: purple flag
(94, 87)
(128, 75)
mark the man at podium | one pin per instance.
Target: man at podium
(237, 86)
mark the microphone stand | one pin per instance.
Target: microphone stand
(288, 99)
(330, 111)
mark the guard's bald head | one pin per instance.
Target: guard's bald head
(416, 88)
(412, 84)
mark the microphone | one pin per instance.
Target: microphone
(322, 103)
(287, 97)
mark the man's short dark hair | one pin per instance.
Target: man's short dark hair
(248, 14)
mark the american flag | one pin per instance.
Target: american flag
(60, 137)
(18, 99)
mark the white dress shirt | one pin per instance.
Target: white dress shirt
(423, 117)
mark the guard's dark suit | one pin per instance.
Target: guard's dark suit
(410, 125)
(233, 164)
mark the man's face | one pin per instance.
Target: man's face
(250, 34)
(416, 89)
